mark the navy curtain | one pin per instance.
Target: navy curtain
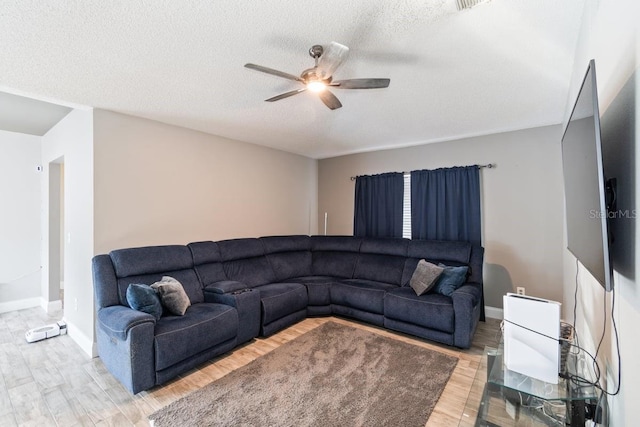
(445, 204)
(378, 205)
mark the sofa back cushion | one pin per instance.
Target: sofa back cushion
(105, 282)
(440, 250)
(334, 255)
(289, 256)
(244, 260)
(451, 253)
(150, 259)
(147, 265)
(207, 262)
(381, 260)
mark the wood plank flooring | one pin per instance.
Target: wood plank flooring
(53, 383)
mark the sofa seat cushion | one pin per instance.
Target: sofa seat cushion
(367, 295)
(281, 299)
(433, 311)
(203, 326)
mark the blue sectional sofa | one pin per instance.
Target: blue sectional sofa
(243, 288)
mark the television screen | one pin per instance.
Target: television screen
(585, 184)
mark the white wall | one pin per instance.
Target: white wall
(610, 35)
(160, 184)
(72, 139)
(19, 221)
(522, 201)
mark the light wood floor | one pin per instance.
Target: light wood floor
(53, 383)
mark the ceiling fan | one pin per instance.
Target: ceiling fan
(319, 78)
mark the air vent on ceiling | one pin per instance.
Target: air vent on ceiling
(468, 4)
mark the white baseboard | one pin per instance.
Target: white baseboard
(51, 306)
(20, 304)
(86, 344)
(493, 312)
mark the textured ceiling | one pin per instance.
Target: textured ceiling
(26, 115)
(500, 66)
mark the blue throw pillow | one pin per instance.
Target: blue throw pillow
(450, 279)
(144, 298)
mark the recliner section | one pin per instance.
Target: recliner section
(140, 351)
(242, 288)
(246, 261)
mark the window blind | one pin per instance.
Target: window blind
(406, 207)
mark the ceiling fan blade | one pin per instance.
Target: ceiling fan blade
(331, 58)
(286, 95)
(274, 72)
(329, 99)
(361, 83)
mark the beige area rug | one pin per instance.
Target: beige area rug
(334, 375)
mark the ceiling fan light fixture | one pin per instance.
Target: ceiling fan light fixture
(316, 86)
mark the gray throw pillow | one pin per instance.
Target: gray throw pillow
(172, 295)
(424, 277)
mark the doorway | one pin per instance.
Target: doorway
(56, 234)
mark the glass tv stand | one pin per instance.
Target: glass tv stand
(500, 397)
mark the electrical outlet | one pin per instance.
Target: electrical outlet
(520, 290)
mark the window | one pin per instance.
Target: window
(406, 207)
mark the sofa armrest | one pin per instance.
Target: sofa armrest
(225, 287)
(247, 302)
(466, 307)
(469, 290)
(117, 320)
(125, 345)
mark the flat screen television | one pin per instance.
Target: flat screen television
(588, 195)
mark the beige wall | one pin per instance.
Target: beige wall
(522, 201)
(160, 184)
(610, 34)
(134, 182)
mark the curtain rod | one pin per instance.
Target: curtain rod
(488, 166)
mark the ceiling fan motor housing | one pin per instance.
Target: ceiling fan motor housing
(316, 51)
(311, 75)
